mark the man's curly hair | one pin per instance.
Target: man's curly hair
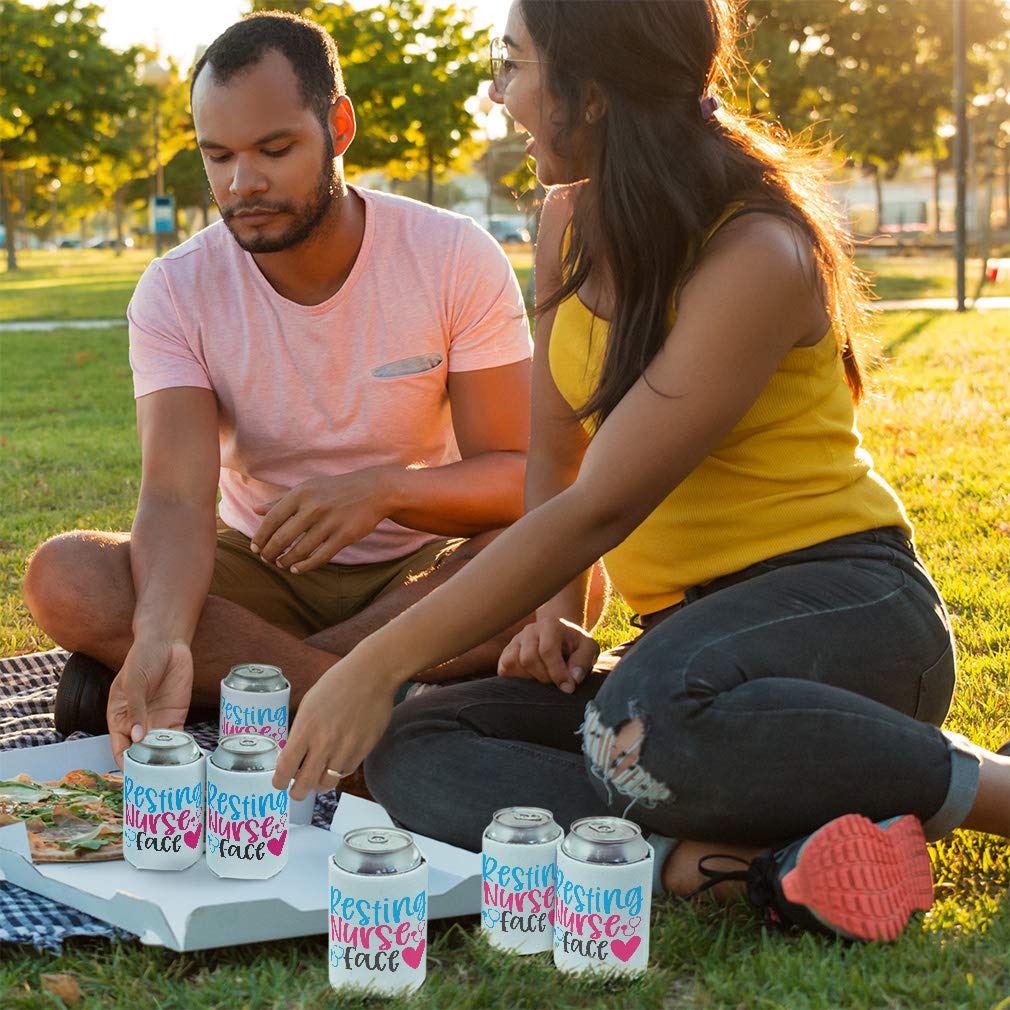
(308, 47)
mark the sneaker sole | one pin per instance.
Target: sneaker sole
(82, 696)
(863, 880)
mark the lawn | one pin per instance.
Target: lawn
(938, 424)
(924, 276)
(71, 284)
(97, 284)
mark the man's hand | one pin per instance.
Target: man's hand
(151, 691)
(339, 721)
(305, 528)
(553, 651)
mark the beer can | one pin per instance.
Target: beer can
(518, 855)
(378, 912)
(255, 698)
(604, 895)
(247, 819)
(163, 791)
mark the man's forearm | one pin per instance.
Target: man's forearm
(484, 492)
(172, 549)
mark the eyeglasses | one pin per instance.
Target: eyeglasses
(502, 64)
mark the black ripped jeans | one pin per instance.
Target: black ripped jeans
(770, 701)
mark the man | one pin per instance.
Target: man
(349, 369)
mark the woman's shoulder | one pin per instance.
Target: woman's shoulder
(769, 254)
(762, 232)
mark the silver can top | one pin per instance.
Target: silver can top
(377, 851)
(165, 747)
(523, 826)
(605, 840)
(258, 677)
(246, 752)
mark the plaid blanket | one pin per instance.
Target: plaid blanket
(27, 693)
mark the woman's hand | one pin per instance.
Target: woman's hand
(339, 721)
(551, 650)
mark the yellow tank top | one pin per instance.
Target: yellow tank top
(791, 473)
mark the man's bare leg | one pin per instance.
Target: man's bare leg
(79, 588)
(480, 661)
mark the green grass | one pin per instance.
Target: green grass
(97, 284)
(938, 424)
(68, 451)
(926, 276)
(71, 284)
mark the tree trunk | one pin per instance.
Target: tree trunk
(878, 186)
(985, 214)
(6, 212)
(117, 210)
(19, 178)
(431, 177)
(1006, 187)
(936, 195)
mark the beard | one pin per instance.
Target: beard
(306, 219)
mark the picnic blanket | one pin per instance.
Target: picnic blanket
(27, 693)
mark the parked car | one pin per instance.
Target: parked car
(110, 243)
(70, 243)
(508, 231)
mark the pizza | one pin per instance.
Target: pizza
(78, 819)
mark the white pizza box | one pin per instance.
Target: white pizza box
(193, 909)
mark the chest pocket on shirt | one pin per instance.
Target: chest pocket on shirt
(408, 366)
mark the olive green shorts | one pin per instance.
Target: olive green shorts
(306, 604)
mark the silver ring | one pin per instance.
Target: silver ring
(335, 774)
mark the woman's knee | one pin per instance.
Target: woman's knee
(634, 730)
(613, 749)
(391, 769)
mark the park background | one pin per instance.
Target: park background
(94, 126)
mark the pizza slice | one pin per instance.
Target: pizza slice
(77, 819)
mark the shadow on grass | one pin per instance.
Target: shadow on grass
(904, 286)
(913, 331)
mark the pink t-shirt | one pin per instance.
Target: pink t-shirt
(359, 380)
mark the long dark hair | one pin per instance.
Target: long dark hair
(660, 175)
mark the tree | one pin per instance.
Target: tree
(186, 178)
(409, 68)
(875, 75)
(445, 61)
(125, 149)
(59, 85)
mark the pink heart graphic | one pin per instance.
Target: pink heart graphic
(623, 951)
(550, 915)
(412, 955)
(192, 838)
(276, 845)
(635, 922)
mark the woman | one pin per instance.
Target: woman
(694, 381)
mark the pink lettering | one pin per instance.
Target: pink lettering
(517, 901)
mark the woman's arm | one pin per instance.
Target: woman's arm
(746, 305)
(555, 648)
(558, 441)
